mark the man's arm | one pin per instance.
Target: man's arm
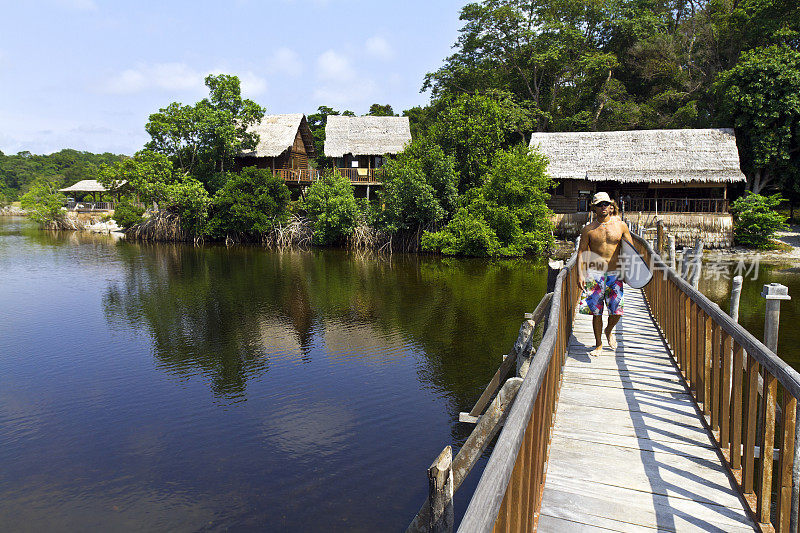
(626, 233)
(583, 246)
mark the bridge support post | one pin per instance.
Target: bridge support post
(660, 237)
(672, 262)
(774, 293)
(440, 493)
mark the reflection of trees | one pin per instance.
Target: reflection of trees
(205, 307)
(224, 311)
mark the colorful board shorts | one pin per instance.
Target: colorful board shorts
(601, 288)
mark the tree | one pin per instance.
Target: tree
(419, 188)
(250, 204)
(379, 110)
(202, 140)
(507, 215)
(471, 128)
(127, 213)
(332, 207)
(44, 203)
(152, 177)
(761, 97)
(756, 219)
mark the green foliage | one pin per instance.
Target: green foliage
(379, 110)
(761, 96)
(333, 209)
(507, 215)
(419, 187)
(65, 167)
(152, 177)
(127, 214)
(471, 128)
(148, 174)
(756, 219)
(250, 204)
(202, 140)
(466, 234)
(43, 202)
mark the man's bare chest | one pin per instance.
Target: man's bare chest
(606, 234)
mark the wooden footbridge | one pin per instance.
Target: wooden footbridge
(665, 434)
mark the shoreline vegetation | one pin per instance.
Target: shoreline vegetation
(467, 184)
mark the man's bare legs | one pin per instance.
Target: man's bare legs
(612, 322)
(597, 326)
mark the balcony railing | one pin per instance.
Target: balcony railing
(363, 175)
(678, 205)
(371, 176)
(298, 175)
(90, 206)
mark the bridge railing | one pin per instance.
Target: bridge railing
(722, 364)
(509, 494)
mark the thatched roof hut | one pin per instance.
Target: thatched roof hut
(90, 186)
(650, 170)
(278, 133)
(366, 136)
(643, 156)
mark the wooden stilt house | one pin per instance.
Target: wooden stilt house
(360, 144)
(663, 171)
(285, 146)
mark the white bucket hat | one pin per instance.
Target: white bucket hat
(601, 197)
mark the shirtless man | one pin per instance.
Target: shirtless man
(598, 274)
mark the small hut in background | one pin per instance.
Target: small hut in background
(78, 192)
(360, 144)
(659, 171)
(285, 146)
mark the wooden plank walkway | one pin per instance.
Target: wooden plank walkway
(629, 451)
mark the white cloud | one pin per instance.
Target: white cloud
(286, 61)
(355, 93)
(379, 47)
(175, 77)
(79, 5)
(340, 84)
(333, 66)
(252, 84)
(162, 76)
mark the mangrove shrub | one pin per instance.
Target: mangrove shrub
(250, 204)
(332, 208)
(127, 214)
(44, 203)
(507, 215)
(756, 219)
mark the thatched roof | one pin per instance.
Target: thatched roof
(277, 133)
(366, 135)
(90, 186)
(644, 156)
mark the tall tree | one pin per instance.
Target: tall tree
(202, 140)
(761, 97)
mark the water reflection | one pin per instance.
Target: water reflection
(230, 313)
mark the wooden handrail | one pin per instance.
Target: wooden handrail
(509, 492)
(722, 364)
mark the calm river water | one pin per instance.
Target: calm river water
(168, 387)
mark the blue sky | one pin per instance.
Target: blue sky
(86, 74)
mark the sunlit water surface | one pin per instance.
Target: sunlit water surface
(170, 387)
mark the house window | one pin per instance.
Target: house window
(354, 163)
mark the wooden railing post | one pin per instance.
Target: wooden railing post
(440, 493)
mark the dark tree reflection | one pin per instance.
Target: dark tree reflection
(228, 312)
